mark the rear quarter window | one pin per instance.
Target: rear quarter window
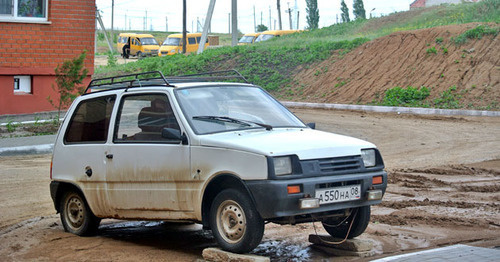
(90, 121)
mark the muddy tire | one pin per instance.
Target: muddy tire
(338, 227)
(235, 223)
(76, 216)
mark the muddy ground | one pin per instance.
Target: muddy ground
(444, 188)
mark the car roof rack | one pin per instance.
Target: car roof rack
(156, 78)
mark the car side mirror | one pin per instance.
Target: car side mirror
(174, 134)
(311, 125)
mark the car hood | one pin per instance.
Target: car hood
(303, 142)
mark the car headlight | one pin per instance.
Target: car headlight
(282, 165)
(369, 159)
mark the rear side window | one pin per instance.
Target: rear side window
(192, 40)
(90, 121)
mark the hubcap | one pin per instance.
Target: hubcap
(231, 221)
(75, 212)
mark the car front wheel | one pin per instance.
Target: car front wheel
(76, 216)
(338, 227)
(235, 223)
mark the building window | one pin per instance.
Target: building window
(23, 10)
(22, 84)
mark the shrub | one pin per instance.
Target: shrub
(448, 99)
(431, 50)
(409, 96)
(475, 33)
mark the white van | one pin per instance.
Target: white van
(226, 155)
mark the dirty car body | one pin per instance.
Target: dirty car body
(226, 155)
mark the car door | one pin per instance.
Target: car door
(82, 149)
(148, 176)
(192, 46)
(135, 46)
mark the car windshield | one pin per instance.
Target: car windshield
(149, 41)
(247, 39)
(224, 108)
(263, 38)
(172, 41)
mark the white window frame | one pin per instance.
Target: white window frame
(22, 84)
(22, 19)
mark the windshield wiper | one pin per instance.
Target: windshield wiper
(232, 120)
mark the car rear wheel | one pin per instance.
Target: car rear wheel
(235, 223)
(76, 216)
(338, 227)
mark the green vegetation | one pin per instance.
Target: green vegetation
(273, 63)
(476, 33)
(11, 126)
(417, 97)
(271, 68)
(431, 50)
(448, 99)
(410, 96)
(69, 77)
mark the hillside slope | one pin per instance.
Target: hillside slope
(402, 59)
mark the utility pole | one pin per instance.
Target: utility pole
(206, 26)
(98, 16)
(269, 17)
(166, 23)
(112, 19)
(234, 22)
(260, 17)
(279, 14)
(298, 19)
(184, 26)
(254, 23)
(290, 17)
(125, 24)
(229, 23)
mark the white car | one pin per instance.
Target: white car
(227, 155)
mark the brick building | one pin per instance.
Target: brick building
(35, 37)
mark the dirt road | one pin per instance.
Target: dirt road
(444, 188)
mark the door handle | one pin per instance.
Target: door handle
(109, 156)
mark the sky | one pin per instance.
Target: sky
(167, 14)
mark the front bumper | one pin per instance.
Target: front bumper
(273, 201)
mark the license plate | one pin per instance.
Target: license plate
(338, 194)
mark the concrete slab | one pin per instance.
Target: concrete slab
(350, 247)
(340, 253)
(218, 255)
(356, 245)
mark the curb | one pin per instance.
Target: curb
(26, 150)
(393, 109)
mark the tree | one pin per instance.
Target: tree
(312, 14)
(69, 76)
(345, 12)
(261, 28)
(358, 9)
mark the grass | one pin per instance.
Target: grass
(273, 63)
(475, 33)
(410, 96)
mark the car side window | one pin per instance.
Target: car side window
(192, 41)
(142, 118)
(90, 121)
